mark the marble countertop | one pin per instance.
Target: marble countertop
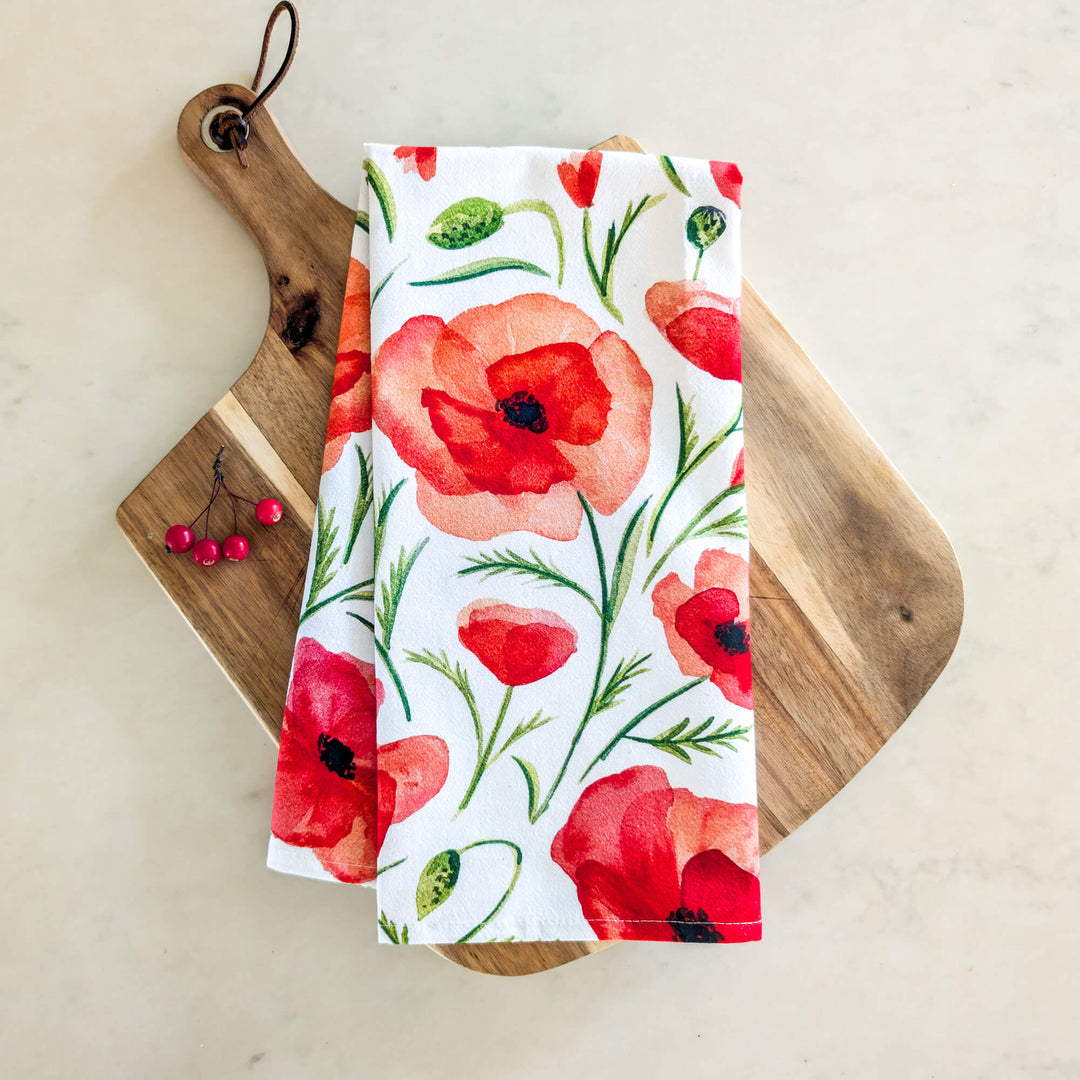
(911, 214)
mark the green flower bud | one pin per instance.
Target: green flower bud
(437, 881)
(466, 223)
(705, 226)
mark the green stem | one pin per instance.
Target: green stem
(628, 727)
(695, 521)
(384, 655)
(713, 444)
(586, 243)
(599, 549)
(605, 633)
(505, 896)
(697, 265)
(312, 608)
(483, 752)
(390, 866)
(541, 207)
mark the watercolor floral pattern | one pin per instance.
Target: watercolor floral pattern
(614, 635)
(508, 411)
(707, 627)
(655, 863)
(337, 793)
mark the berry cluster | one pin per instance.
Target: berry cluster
(207, 551)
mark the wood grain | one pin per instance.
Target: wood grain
(855, 592)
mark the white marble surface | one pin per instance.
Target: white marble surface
(912, 214)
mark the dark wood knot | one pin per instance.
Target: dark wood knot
(300, 322)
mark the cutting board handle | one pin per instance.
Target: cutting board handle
(300, 229)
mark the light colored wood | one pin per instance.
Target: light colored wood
(855, 592)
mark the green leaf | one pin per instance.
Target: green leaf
(676, 729)
(624, 674)
(532, 782)
(394, 587)
(525, 727)
(385, 281)
(669, 171)
(437, 881)
(675, 751)
(465, 223)
(458, 676)
(688, 436)
(363, 221)
(381, 187)
(678, 742)
(325, 553)
(390, 930)
(360, 619)
(731, 524)
(362, 506)
(624, 561)
(688, 462)
(624, 731)
(382, 513)
(510, 562)
(481, 267)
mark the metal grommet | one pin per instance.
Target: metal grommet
(224, 146)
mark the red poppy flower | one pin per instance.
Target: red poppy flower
(350, 400)
(335, 793)
(708, 627)
(728, 180)
(508, 411)
(656, 863)
(517, 645)
(579, 177)
(702, 325)
(417, 159)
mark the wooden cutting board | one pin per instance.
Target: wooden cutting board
(855, 592)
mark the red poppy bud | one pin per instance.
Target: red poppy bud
(579, 177)
(728, 180)
(702, 325)
(517, 645)
(417, 159)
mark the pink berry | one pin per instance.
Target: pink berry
(178, 539)
(206, 552)
(269, 511)
(235, 547)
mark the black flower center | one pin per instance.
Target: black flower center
(523, 411)
(689, 925)
(337, 757)
(732, 637)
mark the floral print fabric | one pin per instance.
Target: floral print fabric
(522, 692)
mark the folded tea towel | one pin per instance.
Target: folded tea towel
(556, 514)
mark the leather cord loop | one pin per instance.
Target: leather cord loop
(231, 128)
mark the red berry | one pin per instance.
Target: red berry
(178, 539)
(235, 547)
(206, 552)
(269, 511)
